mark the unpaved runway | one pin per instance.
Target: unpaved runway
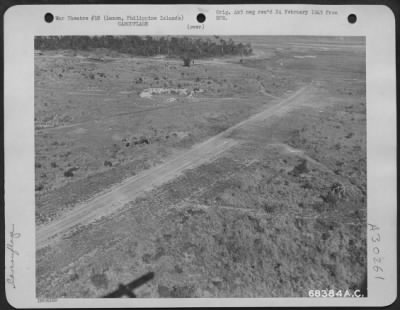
(110, 201)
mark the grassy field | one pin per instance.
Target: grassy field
(282, 212)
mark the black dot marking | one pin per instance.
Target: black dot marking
(48, 17)
(352, 18)
(201, 18)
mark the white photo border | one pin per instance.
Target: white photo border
(22, 23)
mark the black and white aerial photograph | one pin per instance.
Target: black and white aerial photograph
(200, 166)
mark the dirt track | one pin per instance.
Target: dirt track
(108, 202)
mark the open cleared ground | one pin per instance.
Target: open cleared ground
(266, 193)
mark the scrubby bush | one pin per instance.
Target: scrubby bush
(186, 62)
(70, 172)
(336, 192)
(301, 168)
(107, 163)
(337, 146)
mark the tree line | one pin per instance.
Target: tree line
(182, 47)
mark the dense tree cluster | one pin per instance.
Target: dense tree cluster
(183, 47)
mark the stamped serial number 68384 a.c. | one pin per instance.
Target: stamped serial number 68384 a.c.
(335, 293)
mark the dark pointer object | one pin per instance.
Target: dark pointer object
(126, 290)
